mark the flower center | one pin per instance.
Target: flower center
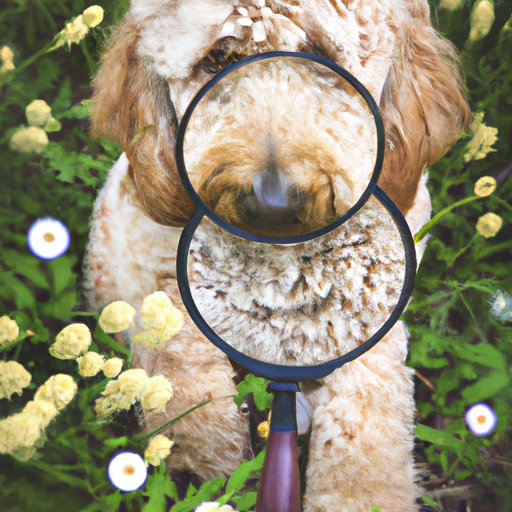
(129, 470)
(49, 237)
(481, 419)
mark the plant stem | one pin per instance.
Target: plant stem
(143, 436)
(7, 77)
(429, 225)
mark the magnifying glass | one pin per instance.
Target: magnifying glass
(295, 261)
(270, 149)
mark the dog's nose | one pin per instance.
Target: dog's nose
(275, 201)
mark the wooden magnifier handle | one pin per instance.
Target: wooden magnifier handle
(279, 489)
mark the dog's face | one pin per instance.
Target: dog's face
(282, 147)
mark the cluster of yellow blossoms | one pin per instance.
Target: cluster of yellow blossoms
(72, 343)
(131, 386)
(20, 433)
(159, 318)
(40, 121)
(78, 27)
(34, 138)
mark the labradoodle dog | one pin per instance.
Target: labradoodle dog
(279, 147)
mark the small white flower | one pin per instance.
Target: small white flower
(48, 239)
(481, 419)
(127, 471)
(208, 506)
(501, 306)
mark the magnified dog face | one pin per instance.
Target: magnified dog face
(281, 147)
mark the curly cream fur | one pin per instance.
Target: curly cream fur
(297, 304)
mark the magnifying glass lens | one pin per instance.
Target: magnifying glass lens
(299, 305)
(280, 147)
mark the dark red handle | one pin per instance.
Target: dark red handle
(279, 489)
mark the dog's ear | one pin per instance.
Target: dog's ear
(130, 105)
(423, 107)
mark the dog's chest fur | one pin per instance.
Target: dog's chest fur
(300, 304)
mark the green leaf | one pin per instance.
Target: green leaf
(258, 387)
(430, 502)
(77, 112)
(483, 354)
(241, 474)
(461, 475)
(116, 443)
(486, 387)
(63, 276)
(245, 502)
(18, 292)
(195, 498)
(158, 486)
(72, 165)
(438, 437)
(373, 508)
(26, 265)
(63, 100)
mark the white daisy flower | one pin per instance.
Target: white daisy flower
(501, 306)
(48, 238)
(127, 471)
(481, 419)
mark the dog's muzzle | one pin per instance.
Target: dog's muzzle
(274, 201)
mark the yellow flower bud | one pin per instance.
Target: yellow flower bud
(58, 390)
(53, 125)
(489, 224)
(264, 427)
(9, 330)
(113, 367)
(13, 379)
(160, 319)
(38, 113)
(93, 16)
(156, 393)
(482, 141)
(159, 448)
(482, 18)
(32, 140)
(6, 54)
(8, 65)
(116, 317)
(451, 5)
(72, 342)
(90, 364)
(75, 31)
(485, 186)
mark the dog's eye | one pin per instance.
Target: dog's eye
(214, 61)
(220, 58)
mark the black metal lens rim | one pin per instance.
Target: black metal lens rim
(285, 373)
(358, 86)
